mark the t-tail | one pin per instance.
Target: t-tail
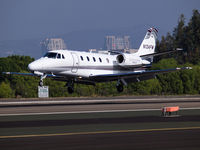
(149, 43)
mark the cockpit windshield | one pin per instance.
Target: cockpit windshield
(54, 55)
(50, 55)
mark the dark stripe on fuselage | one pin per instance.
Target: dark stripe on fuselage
(115, 68)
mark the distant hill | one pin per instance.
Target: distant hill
(75, 40)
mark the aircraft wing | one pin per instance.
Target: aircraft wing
(134, 76)
(25, 74)
(128, 76)
(54, 77)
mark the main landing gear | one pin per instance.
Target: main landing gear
(120, 88)
(120, 85)
(70, 86)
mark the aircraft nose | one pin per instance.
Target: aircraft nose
(35, 66)
(31, 66)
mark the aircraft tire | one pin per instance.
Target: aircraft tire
(120, 88)
(70, 90)
(40, 83)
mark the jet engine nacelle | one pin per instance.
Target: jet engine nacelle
(128, 59)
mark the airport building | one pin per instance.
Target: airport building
(117, 42)
(53, 44)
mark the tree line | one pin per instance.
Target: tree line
(186, 36)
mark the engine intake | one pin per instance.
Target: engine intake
(128, 60)
(120, 58)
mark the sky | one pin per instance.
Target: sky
(27, 19)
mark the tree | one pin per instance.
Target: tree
(180, 39)
(5, 90)
(165, 44)
(191, 37)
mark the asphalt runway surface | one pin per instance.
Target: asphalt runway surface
(130, 125)
(181, 139)
(138, 119)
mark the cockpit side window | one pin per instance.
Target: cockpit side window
(46, 55)
(63, 57)
(58, 56)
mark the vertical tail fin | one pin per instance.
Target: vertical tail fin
(149, 43)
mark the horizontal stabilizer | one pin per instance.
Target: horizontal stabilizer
(161, 53)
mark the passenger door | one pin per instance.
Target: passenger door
(75, 62)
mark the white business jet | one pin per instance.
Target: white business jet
(90, 68)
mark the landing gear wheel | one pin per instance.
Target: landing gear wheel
(40, 83)
(70, 90)
(120, 88)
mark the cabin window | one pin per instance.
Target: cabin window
(58, 56)
(100, 59)
(94, 59)
(81, 58)
(88, 58)
(63, 57)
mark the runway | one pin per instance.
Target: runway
(129, 125)
(181, 139)
(78, 105)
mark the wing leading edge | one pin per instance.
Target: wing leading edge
(54, 77)
(26, 74)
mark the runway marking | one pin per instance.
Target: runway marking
(88, 112)
(97, 132)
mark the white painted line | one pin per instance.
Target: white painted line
(88, 112)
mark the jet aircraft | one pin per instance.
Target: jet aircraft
(90, 68)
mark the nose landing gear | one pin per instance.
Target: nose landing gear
(41, 79)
